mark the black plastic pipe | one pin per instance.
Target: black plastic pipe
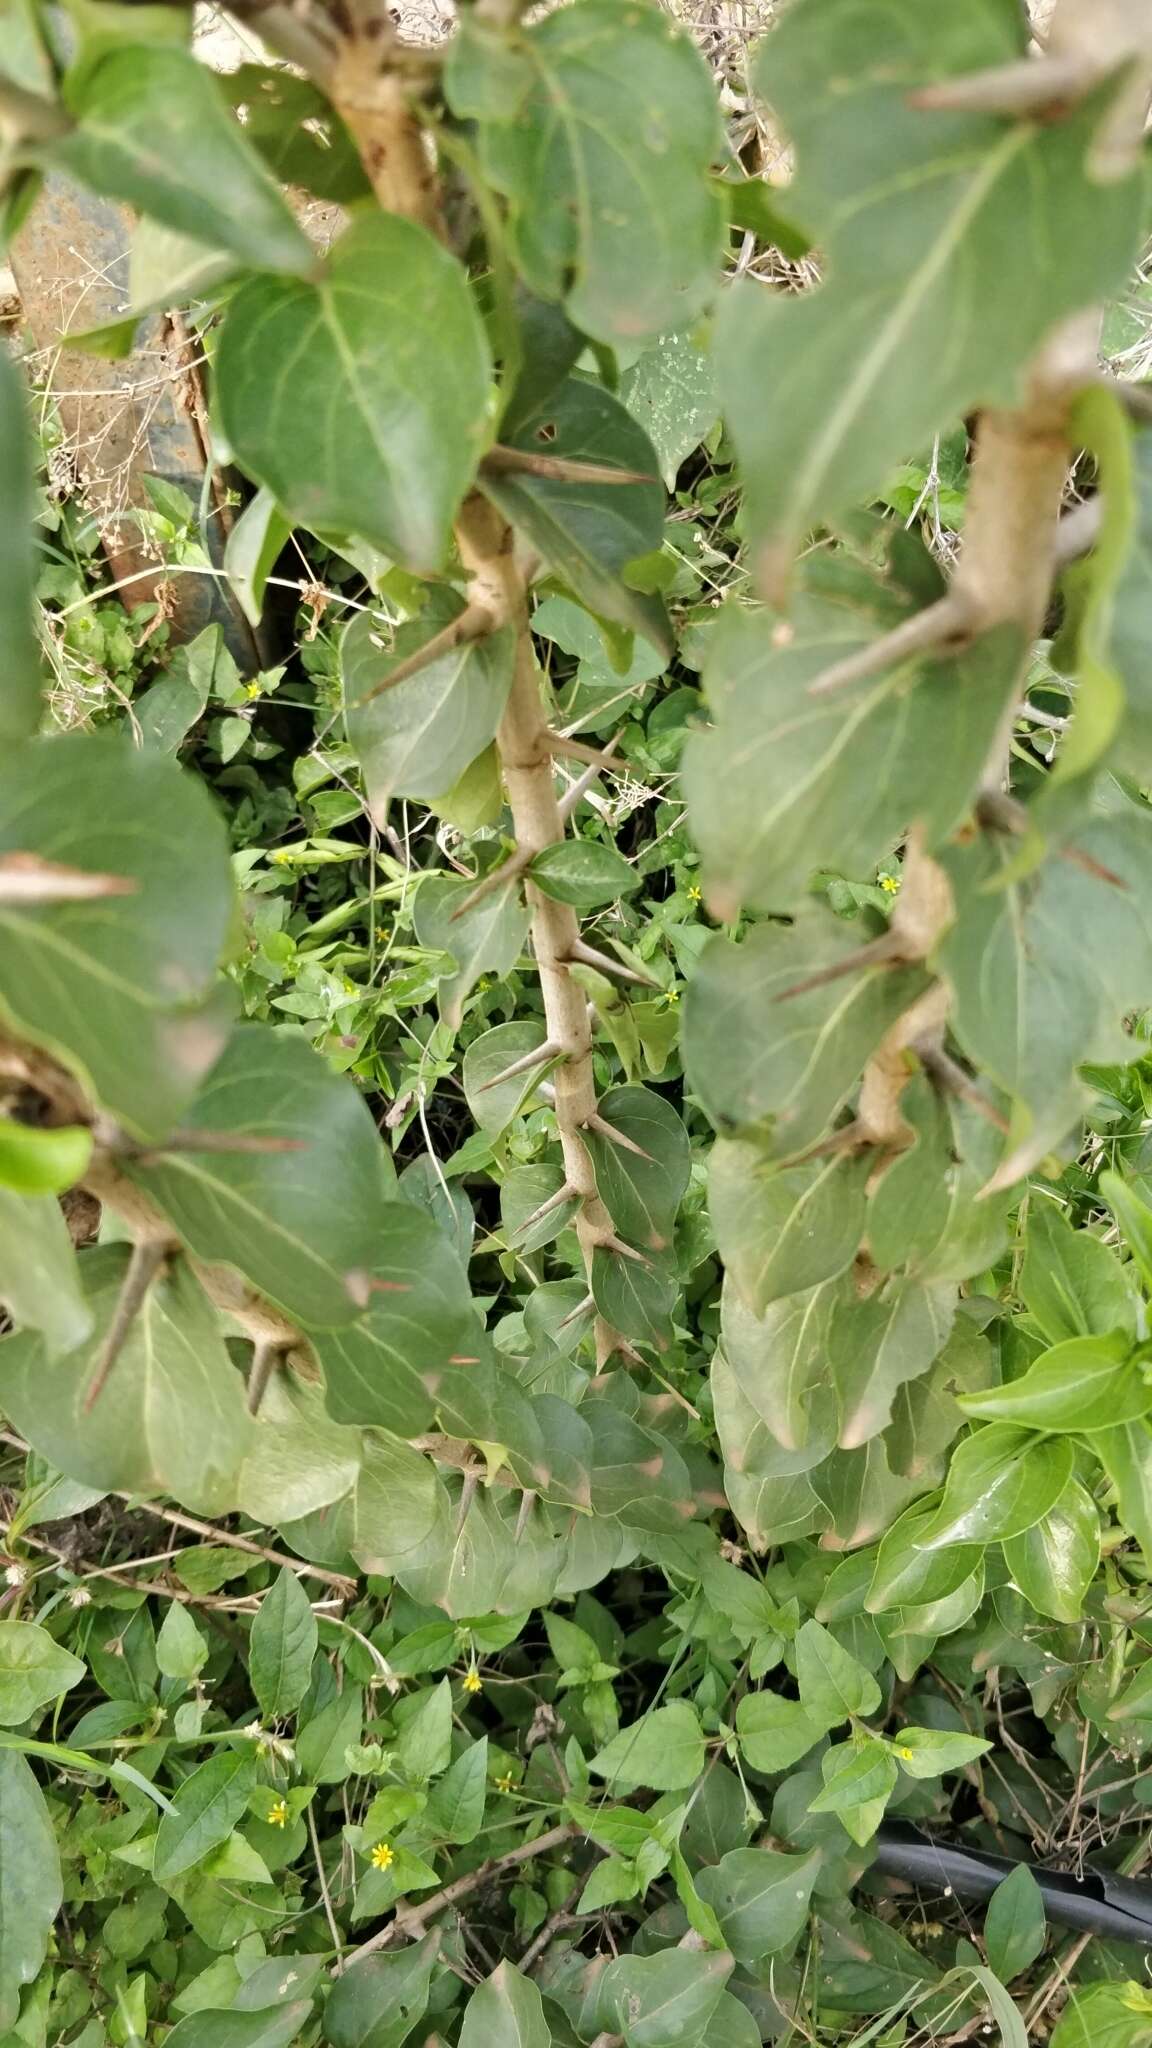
(1098, 1903)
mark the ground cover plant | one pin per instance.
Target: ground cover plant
(575, 1178)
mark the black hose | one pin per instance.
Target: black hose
(1098, 1903)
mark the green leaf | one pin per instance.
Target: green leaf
(361, 400)
(117, 984)
(662, 2001)
(1055, 1561)
(260, 534)
(583, 872)
(784, 1230)
(493, 1107)
(297, 132)
(612, 1881)
(928, 1752)
(1084, 1384)
(418, 737)
(784, 783)
(455, 1809)
(1014, 1926)
(1000, 1481)
(37, 1161)
(30, 1883)
(153, 130)
(322, 1744)
(505, 2012)
(39, 1277)
(664, 1750)
(779, 1364)
(635, 1296)
(204, 1812)
(928, 1211)
(20, 692)
(273, 2026)
(910, 207)
(1003, 2009)
(775, 1732)
(181, 1651)
(524, 1190)
(754, 1050)
(281, 1647)
(34, 1669)
(671, 391)
(171, 1418)
(906, 1576)
(876, 1346)
(296, 1221)
(760, 1898)
(859, 1779)
(167, 711)
(485, 940)
(386, 1366)
(298, 1460)
(833, 1686)
(1070, 1282)
(1135, 1219)
(642, 1195)
(588, 533)
(1104, 2016)
(600, 129)
(425, 1743)
(1126, 1455)
(380, 1999)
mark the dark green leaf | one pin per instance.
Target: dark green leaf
(1014, 1927)
(281, 1647)
(1054, 1562)
(664, 1750)
(417, 738)
(380, 1999)
(760, 1898)
(361, 400)
(1071, 1283)
(642, 1195)
(33, 1670)
(486, 940)
(662, 2001)
(784, 1230)
(859, 1778)
(583, 872)
(1084, 1384)
(387, 1365)
(587, 532)
(635, 1296)
(39, 1280)
(1000, 1481)
(204, 1811)
(600, 126)
(273, 2026)
(833, 1685)
(876, 1346)
(258, 537)
(155, 132)
(297, 132)
(775, 1732)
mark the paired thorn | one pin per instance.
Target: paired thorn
(538, 1057)
(601, 1125)
(559, 743)
(475, 622)
(589, 956)
(267, 1354)
(951, 1078)
(567, 1193)
(998, 812)
(148, 1256)
(572, 797)
(26, 879)
(581, 1309)
(504, 461)
(1044, 85)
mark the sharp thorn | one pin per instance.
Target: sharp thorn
(599, 1123)
(591, 957)
(219, 1141)
(527, 1503)
(616, 1245)
(467, 1496)
(581, 1309)
(503, 461)
(946, 624)
(1032, 86)
(565, 1194)
(26, 878)
(473, 623)
(147, 1258)
(949, 1076)
(559, 743)
(879, 952)
(506, 872)
(266, 1356)
(572, 797)
(550, 1050)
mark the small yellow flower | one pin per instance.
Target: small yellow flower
(383, 1857)
(693, 893)
(906, 1754)
(281, 855)
(506, 1782)
(890, 884)
(277, 1815)
(383, 933)
(252, 691)
(672, 997)
(473, 1681)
